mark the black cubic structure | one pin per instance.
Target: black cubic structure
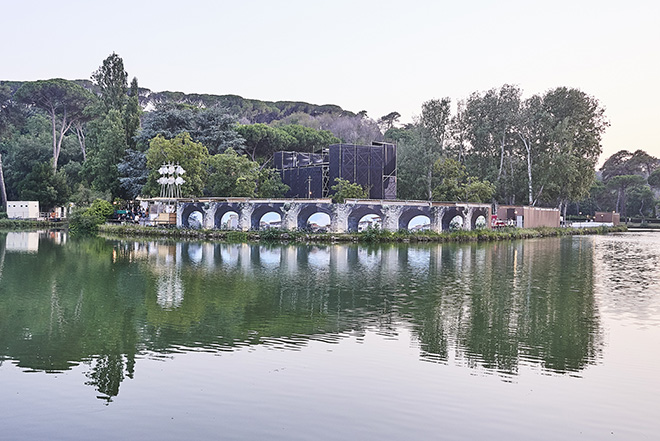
(311, 175)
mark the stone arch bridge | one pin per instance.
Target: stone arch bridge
(295, 213)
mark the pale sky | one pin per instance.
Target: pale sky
(379, 56)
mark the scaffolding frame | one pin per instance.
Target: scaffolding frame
(372, 166)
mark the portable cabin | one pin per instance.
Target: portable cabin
(524, 216)
(23, 209)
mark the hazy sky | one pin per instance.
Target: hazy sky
(379, 56)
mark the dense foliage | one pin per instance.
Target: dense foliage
(344, 189)
(74, 141)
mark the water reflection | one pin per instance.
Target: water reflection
(627, 272)
(102, 302)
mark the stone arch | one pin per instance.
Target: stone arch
(358, 212)
(221, 210)
(188, 209)
(309, 209)
(409, 213)
(260, 210)
(479, 211)
(450, 214)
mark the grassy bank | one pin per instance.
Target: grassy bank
(370, 236)
(22, 224)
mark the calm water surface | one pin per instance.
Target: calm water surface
(549, 339)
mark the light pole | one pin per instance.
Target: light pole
(309, 187)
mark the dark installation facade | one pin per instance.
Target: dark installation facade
(311, 175)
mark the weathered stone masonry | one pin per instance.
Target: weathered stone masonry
(395, 215)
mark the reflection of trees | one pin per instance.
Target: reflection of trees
(496, 305)
(106, 375)
(501, 304)
(491, 305)
(99, 302)
(67, 305)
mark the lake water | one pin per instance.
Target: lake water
(548, 339)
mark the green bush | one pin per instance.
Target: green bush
(270, 234)
(101, 209)
(85, 222)
(237, 236)
(374, 234)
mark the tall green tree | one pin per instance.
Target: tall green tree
(63, 101)
(112, 81)
(622, 184)
(485, 138)
(45, 185)
(574, 124)
(107, 147)
(231, 174)
(261, 140)
(434, 121)
(132, 114)
(182, 150)
(412, 162)
(213, 126)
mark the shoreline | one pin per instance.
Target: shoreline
(369, 236)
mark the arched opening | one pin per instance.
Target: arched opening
(361, 217)
(369, 221)
(453, 219)
(192, 215)
(270, 220)
(318, 223)
(229, 221)
(196, 220)
(480, 222)
(419, 223)
(314, 217)
(456, 223)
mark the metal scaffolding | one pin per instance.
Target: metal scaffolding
(312, 175)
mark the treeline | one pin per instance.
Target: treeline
(77, 141)
(628, 183)
(543, 150)
(500, 147)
